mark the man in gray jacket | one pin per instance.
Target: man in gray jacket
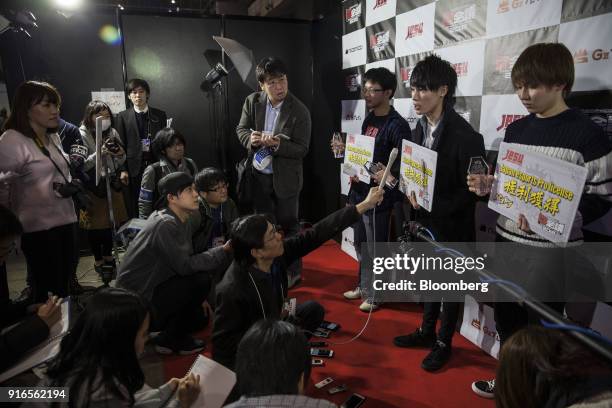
(161, 267)
(275, 129)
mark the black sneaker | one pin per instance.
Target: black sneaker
(416, 339)
(437, 358)
(184, 347)
(485, 389)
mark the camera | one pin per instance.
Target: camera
(75, 191)
(112, 145)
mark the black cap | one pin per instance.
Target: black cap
(172, 184)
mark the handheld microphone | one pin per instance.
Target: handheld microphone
(392, 157)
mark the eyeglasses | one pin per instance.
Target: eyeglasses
(275, 229)
(370, 91)
(222, 186)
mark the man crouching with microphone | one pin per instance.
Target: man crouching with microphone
(255, 285)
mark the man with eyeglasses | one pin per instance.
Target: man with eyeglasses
(388, 128)
(255, 285)
(217, 211)
(275, 129)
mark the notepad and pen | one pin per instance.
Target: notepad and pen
(216, 382)
(44, 351)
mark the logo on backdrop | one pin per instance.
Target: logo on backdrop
(379, 41)
(458, 19)
(353, 49)
(352, 82)
(414, 30)
(405, 76)
(507, 5)
(582, 55)
(504, 64)
(352, 14)
(379, 3)
(352, 116)
(507, 119)
(461, 68)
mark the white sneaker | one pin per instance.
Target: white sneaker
(353, 294)
(368, 306)
(485, 389)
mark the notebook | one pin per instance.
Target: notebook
(44, 351)
(216, 382)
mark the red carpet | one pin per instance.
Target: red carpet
(388, 376)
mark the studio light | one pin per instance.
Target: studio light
(68, 5)
(214, 76)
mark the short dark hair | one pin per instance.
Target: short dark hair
(164, 139)
(10, 226)
(270, 67)
(271, 357)
(546, 64)
(383, 77)
(248, 233)
(28, 94)
(431, 73)
(137, 82)
(208, 178)
(93, 108)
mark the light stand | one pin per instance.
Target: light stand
(213, 88)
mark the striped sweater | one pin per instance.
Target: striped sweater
(572, 137)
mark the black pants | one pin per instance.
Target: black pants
(51, 259)
(131, 192)
(101, 243)
(448, 320)
(540, 271)
(284, 211)
(177, 304)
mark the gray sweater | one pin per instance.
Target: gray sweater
(161, 250)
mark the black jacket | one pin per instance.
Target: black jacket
(238, 305)
(127, 127)
(452, 215)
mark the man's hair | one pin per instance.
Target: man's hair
(208, 178)
(431, 73)
(270, 67)
(248, 233)
(164, 139)
(383, 77)
(93, 108)
(27, 95)
(271, 358)
(536, 362)
(137, 82)
(545, 64)
(10, 226)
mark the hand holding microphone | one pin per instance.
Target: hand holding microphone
(392, 158)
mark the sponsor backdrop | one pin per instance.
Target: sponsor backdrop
(481, 39)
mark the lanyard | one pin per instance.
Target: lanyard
(46, 152)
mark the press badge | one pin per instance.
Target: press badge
(146, 145)
(218, 241)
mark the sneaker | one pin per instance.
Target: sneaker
(185, 347)
(416, 339)
(485, 389)
(368, 306)
(353, 294)
(437, 358)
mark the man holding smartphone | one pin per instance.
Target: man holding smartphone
(433, 82)
(275, 129)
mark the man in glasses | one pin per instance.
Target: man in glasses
(388, 128)
(255, 285)
(216, 212)
(275, 130)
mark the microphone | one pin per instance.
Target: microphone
(392, 157)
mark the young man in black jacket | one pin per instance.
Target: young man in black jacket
(433, 82)
(255, 285)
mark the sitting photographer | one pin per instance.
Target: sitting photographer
(169, 146)
(96, 219)
(160, 265)
(38, 188)
(255, 285)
